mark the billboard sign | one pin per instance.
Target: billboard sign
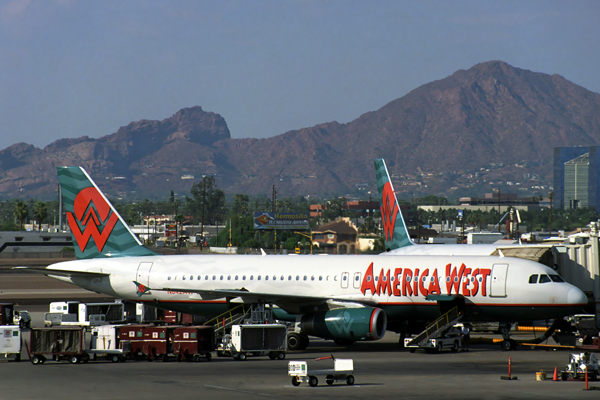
(268, 220)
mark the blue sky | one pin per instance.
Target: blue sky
(71, 68)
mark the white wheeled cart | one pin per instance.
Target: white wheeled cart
(343, 368)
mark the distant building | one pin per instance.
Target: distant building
(576, 177)
(339, 237)
(498, 199)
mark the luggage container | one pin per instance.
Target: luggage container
(105, 342)
(193, 342)
(158, 342)
(10, 342)
(132, 337)
(255, 340)
(63, 342)
(343, 368)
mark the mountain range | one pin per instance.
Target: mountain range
(490, 126)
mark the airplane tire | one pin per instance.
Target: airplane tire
(508, 345)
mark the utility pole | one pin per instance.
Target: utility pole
(274, 210)
(202, 218)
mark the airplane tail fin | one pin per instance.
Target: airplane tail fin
(395, 231)
(96, 227)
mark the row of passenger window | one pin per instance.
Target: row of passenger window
(243, 277)
(545, 278)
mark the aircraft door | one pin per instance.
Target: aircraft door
(498, 280)
(345, 279)
(143, 273)
(357, 280)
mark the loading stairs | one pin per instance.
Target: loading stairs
(256, 314)
(437, 328)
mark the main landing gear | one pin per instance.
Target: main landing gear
(507, 344)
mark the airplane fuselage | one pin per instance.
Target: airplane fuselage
(493, 288)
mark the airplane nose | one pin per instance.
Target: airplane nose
(576, 296)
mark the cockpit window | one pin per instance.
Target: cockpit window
(545, 279)
(533, 279)
(556, 278)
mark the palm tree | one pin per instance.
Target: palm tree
(21, 212)
(40, 212)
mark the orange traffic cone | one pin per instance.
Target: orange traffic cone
(555, 378)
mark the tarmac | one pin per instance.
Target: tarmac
(381, 369)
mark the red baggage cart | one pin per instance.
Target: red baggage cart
(193, 342)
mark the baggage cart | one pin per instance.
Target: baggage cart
(59, 343)
(254, 340)
(343, 369)
(193, 342)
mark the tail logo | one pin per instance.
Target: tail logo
(389, 211)
(141, 289)
(92, 212)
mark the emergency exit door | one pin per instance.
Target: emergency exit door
(498, 280)
(143, 273)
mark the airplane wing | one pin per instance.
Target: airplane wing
(62, 272)
(289, 302)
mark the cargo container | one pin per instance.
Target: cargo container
(158, 342)
(254, 340)
(10, 341)
(132, 336)
(63, 342)
(105, 342)
(193, 342)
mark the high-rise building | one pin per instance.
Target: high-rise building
(576, 174)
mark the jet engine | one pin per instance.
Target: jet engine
(346, 325)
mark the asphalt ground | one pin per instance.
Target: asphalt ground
(382, 370)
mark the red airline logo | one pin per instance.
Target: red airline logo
(389, 211)
(91, 218)
(412, 282)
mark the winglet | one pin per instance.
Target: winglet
(394, 229)
(262, 252)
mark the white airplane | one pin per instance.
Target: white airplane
(396, 237)
(346, 298)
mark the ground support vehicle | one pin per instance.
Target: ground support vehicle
(343, 368)
(254, 340)
(22, 318)
(437, 344)
(193, 342)
(58, 343)
(148, 341)
(581, 363)
(10, 341)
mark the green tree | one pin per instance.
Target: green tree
(240, 204)
(21, 212)
(205, 193)
(40, 212)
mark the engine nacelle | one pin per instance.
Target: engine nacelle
(346, 324)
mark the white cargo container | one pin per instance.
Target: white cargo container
(10, 341)
(256, 340)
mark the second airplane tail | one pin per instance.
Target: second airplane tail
(395, 232)
(96, 227)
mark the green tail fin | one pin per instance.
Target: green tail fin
(97, 229)
(395, 233)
